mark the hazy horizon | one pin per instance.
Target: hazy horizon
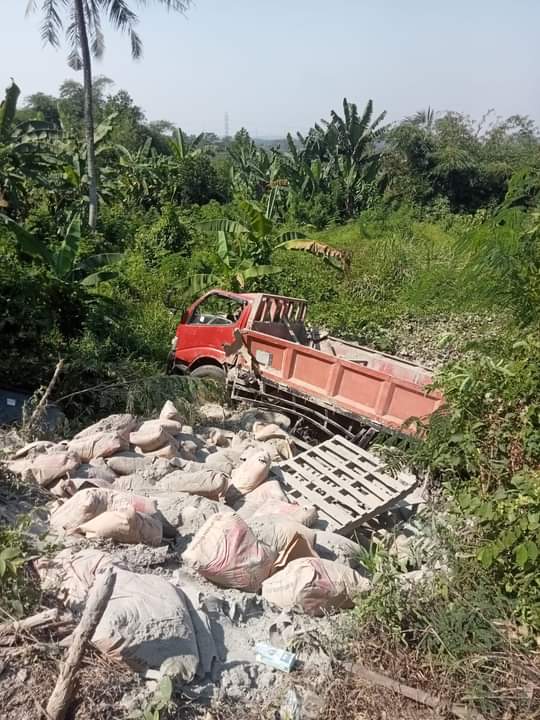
(281, 68)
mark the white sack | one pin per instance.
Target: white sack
(314, 586)
(227, 553)
(125, 526)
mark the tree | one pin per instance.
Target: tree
(244, 250)
(85, 38)
(22, 153)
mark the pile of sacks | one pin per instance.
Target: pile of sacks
(143, 482)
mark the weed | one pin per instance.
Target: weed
(17, 588)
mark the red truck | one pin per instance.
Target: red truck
(262, 347)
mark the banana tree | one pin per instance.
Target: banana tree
(181, 147)
(231, 265)
(23, 153)
(69, 187)
(244, 250)
(63, 261)
(141, 179)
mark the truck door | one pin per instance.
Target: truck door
(210, 323)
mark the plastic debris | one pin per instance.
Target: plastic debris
(275, 657)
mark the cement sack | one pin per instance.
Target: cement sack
(207, 483)
(152, 435)
(125, 526)
(266, 431)
(70, 575)
(219, 437)
(269, 490)
(99, 445)
(147, 476)
(188, 450)
(70, 486)
(289, 539)
(225, 460)
(53, 466)
(121, 424)
(88, 504)
(297, 548)
(277, 531)
(184, 512)
(250, 417)
(314, 586)
(96, 469)
(198, 510)
(241, 441)
(127, 462)
(169, 412)
(147, 625)
(134, 483)
(167, 451)
(304, 514)
(251, 473)
(226, 552)
(331, 546)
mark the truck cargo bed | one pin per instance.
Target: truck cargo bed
(382, 390)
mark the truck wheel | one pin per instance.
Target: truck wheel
(209, 371)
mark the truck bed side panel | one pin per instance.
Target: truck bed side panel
(372, 394)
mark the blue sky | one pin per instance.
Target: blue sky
(281, 65)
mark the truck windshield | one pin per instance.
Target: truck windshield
(216, 310)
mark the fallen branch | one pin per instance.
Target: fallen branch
(46, 617)
(98, 598)
(419, 696)
(41, 404)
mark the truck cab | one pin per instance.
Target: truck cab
(208, 324)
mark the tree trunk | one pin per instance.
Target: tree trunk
(88, 114)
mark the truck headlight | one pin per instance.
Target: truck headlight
(173, 343)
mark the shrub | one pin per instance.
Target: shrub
(490, 426)
(165, 235)
(509, 526)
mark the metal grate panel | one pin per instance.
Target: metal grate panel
(345, 483)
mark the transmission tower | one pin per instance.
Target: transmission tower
(227, 125)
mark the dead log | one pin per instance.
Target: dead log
(419, 696)
(98, 598)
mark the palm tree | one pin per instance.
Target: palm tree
(85, 39)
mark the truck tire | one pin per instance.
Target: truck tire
(209, 371)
